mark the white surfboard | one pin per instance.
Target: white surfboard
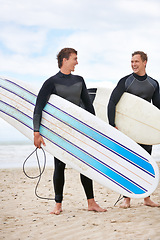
(82, 140)
(135, 117)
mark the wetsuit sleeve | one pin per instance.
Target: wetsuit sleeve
(42, 99)
(114, 99)
(156, 97)
(86, 99)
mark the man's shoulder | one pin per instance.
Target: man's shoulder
(153, 81)
(123, 79)
(77, 76)
(52, 78)
(57, 75)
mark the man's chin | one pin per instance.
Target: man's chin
(135, 71)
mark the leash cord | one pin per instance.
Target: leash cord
(40, 171)
(119, 199)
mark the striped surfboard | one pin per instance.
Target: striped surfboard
(82, 140)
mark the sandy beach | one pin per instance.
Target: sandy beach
(24, 216)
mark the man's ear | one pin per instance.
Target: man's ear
(145, 63)
(65, 60)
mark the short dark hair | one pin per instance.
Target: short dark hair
(64, 53)
(143, 55)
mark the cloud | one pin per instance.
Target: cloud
(104, 32)
(81, 15)
(22, 40)
(146, 8)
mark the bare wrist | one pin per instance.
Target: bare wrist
(36, 134)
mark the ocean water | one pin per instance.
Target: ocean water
(14, 155)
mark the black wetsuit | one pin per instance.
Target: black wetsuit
(141, 86)
(72, 88)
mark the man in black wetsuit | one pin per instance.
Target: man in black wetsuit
(72, 88)
(141, 85)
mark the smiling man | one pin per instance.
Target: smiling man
(143, 86)
(72, 88)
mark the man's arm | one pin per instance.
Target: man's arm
(114, 99)
(86, 99)
(156, 97)
(42, 100)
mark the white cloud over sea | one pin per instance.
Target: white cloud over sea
(105, 33)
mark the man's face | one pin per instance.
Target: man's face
(71, 62)
(138, 65)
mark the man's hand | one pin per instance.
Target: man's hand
(38, 140)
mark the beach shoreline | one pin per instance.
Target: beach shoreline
(24, 216)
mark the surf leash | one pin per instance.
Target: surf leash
(41, 171)
(119, 199)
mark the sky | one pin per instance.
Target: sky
(104, 32)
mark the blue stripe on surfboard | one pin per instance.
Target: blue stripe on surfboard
(74, 150)
(16, 114)
(31, 97)
(93, 134)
